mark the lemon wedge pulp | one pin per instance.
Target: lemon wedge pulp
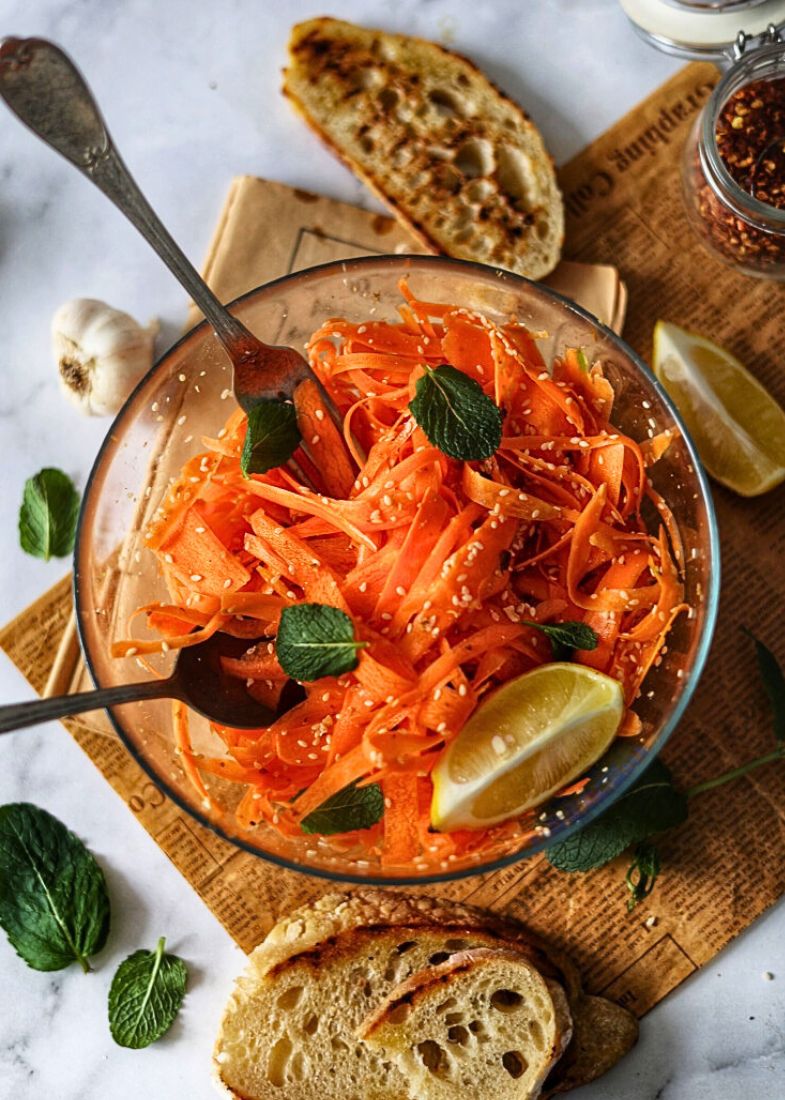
(529, 739)
(738, 427)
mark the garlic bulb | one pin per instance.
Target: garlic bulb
(101, 354)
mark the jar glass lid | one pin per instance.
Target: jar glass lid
(704, 29)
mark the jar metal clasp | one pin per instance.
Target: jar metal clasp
(769, 37)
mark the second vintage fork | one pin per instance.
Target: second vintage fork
(43, 87)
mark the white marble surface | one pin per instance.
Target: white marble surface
(190, 89)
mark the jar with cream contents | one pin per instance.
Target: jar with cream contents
(734, 165)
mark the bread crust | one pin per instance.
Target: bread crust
(342, 926)
(334, 913)
(517, 221)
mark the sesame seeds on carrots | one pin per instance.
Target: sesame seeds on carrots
(438, 562)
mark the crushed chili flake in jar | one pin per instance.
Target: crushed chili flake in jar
(750, 135)
(734, 171)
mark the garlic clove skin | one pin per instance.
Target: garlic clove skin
(101, 354)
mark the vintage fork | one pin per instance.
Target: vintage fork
(43, 87)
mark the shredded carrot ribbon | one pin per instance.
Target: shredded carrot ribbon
(440, 563)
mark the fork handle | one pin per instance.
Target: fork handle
(15, 716)
(44, 88)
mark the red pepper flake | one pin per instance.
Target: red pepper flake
(750, 141)
(750, 137)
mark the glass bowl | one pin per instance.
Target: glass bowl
(188, 393)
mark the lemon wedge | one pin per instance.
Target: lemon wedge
(738, 427)
(525, 742)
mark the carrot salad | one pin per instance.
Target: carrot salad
(439, 563)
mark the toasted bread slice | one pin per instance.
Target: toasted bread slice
(461, 165)
(294, 1026)
(334, 913)
(603, 1032)
(484, 1023)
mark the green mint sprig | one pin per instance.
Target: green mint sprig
(54, 905)
(352, 808)
(773, 684)
(642, 873)
(456, 414)
(316, 640)
(653, 804)
(565, 637)
(271, 437)
(48, 515)
(145, 996)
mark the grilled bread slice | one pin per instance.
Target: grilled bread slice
(462, 166)
(291, 1031)
(603, 1032)
(331, 914)
(483, 1023)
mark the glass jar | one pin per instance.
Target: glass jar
(736, 226)
(705, 29)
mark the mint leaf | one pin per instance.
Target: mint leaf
(567, 636)
(773, 684)
(145, 996)
(47, 518)
(456, 415)
(54, 906)
(352, 808)
(642, 873)
(651, 805)
(315, 640)
(271, 436)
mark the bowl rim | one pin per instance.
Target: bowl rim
(410, 261)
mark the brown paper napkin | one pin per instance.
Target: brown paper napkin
(725, 866)
(267, 229)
